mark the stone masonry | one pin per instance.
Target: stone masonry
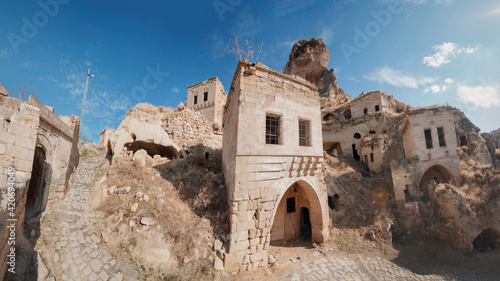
(272, 155)
(208, 98)
(30, 131)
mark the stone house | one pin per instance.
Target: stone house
(105, 136)
(430, 149)
(208, 98)
(360, 128)
(416, 145)
(272, 155)
(43, 150)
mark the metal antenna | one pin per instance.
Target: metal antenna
(84, 101)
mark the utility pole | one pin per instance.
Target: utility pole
(84, 102)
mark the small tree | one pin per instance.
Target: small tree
(22, 93)
(245, 50)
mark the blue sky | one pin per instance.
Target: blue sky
(423, 52)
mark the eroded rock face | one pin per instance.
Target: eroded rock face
(309, 60)
(3, 92)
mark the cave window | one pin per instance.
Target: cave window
(407, 193)
(328, 117)
(366, 160)
(355, 152)
(428, 139)
(377, 108)
(195, 99)
(365, 111)
(347, 114)
(372, 132)
(463, 141)
(371, 157)
(442, 141)
(273, 129)
(290, 205)
(332, 200)
(207, 155)
(357, 136)
(205, 96)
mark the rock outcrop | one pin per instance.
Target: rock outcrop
(309, 60)
(3, 92)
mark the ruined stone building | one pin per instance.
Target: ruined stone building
(207, 98)
(416, 145)
(272, 155)
(43, 149)
(105, 136)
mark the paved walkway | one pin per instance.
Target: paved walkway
(359, 268)
(73, 251)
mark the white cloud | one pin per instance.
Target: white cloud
(175, 90)
(449, 81)
(88, 63)
(445, 52)
(387, 75)
(481, 96)
(436, 89)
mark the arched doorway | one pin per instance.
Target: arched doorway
(298, 214)
(34, 200)
(437, 174)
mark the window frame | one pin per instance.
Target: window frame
(441, 137)
(377, 108)
(270, 135)
(195, 101)
(428, 142)
(307, 137)
(290, 203)
(205, 96)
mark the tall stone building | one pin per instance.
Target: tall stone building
(208, 98)
(272, 155)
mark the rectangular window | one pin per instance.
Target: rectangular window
(195, 99)
(272, 129)
(366, 159)
(290, 205)
(371, 157)
(428, 139)
(442, 141)
(205, 96)
(365, 110)
(377, 108)
(304, 133)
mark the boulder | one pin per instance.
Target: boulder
(147, 221)
(309, 60)
(218, 264)
(123, 190)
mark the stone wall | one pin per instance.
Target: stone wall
(25, 128)
(212, 108)
(18, 133)
(260, 176)
(105, 136)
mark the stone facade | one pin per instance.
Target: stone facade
(208, 98)
(105, 136)
(433, 158)
(43, 150)
(271, 179)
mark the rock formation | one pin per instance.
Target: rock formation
(3, 92)
(309, 59)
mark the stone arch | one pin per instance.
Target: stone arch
(153, 149)
(436, 173)
(43, 142)
(287, 225)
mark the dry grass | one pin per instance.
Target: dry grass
(187, 201)
(89, 150)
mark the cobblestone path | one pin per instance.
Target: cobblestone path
(359, 268)
(72, 248)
